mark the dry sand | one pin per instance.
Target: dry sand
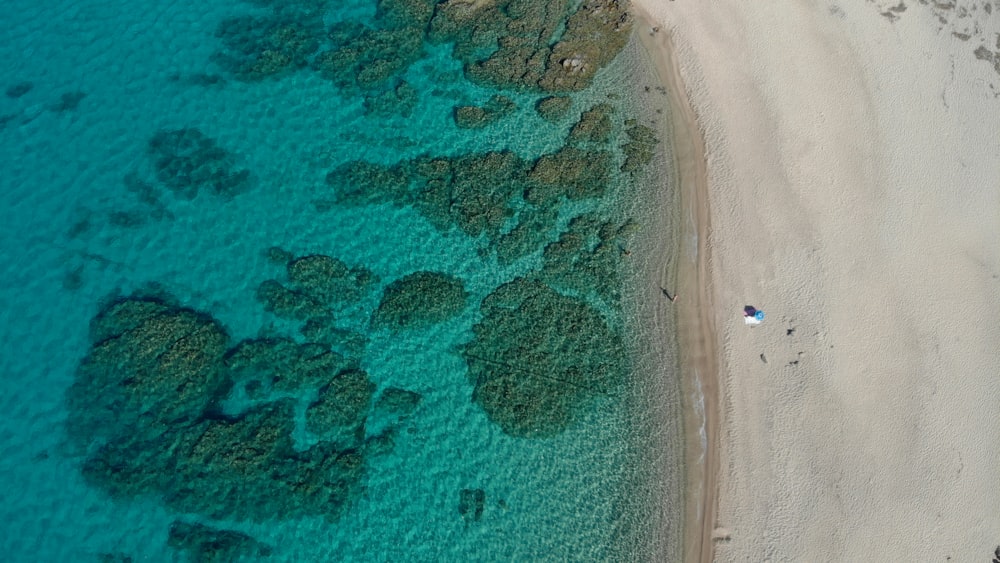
(849, 186)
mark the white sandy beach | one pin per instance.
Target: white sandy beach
(849, 185)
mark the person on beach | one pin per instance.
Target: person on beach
(672, 298)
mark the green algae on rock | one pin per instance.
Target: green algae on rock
(257, 47)
(571, 172)
(148, 361)
(289, 303)
(359, 182)
(205, 544)
(398, 99)
(398, 402)
(420, 299)
(538, 357)
(365, 58)
(324, 330)
(531, 233)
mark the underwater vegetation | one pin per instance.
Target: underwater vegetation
(594, 126)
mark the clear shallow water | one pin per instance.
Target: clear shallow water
(73, 234)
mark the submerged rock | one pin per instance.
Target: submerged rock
(538, 357)
(187, 161)
(594, 125)
(569, 172)
(554, 108)
(205, 544)
(420, 299)
(289, 303)
(639, 150)
(145, 411)
(285, 365)
(518, 37)
(329, 280)
(475, 117)
(342, 403)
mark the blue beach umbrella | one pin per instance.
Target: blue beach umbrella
(759, 315)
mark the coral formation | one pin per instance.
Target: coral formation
(420, 299)
(519, 380)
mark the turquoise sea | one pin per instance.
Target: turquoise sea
(417, 382)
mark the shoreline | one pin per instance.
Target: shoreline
(695, 325)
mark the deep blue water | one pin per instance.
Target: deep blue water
(85, 219)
